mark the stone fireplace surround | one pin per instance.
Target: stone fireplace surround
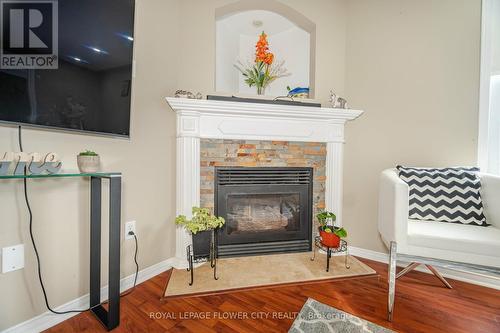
(222, 120)
(261, 153)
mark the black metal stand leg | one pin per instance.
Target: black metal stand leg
(110, 318)
(215, 263)
(115, 186)
(190, 263)
(346, 258)
(314, 252)
(212, 250)
(328, 256)
(213, 255)
(215, 269)
(95, 241)
(191, 270)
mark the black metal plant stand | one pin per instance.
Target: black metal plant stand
(192, 258)
(330, 250)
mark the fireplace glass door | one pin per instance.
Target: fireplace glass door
(267, 212)
(264, 214)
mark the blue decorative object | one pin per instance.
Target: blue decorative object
(299, 92)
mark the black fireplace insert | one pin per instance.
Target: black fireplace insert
(267, 210)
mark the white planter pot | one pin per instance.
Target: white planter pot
(88, 164)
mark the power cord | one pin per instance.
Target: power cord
(136, 265)
(33, 239)
(39, 268)
(131, 233)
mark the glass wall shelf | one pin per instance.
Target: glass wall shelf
(64, 174)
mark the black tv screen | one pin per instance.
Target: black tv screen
(88, 88)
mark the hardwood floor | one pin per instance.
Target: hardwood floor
(422, 305)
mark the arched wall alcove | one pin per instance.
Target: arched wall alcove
(292, 40)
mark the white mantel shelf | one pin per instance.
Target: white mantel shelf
(259, 121)
(210, 119)
(213, 107)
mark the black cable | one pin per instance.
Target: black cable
(136, 268)
(33, 240)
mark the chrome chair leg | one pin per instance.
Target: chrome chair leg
(439, 276)
(407, 269)
(434, 271)
(391, 280)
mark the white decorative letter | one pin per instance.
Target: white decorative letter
(5, 163)
(22, 159)
(52, 163)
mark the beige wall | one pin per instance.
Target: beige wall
(412, 65)
(61, 206)
(197, 45)
(405, 62)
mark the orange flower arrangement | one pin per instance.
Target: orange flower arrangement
(263, 71)
(262, 53)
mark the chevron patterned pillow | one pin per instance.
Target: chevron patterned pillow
(444, 194)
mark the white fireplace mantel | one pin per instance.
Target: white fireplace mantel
(197, 119)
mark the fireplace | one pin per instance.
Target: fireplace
(267, 210)
(201, 120)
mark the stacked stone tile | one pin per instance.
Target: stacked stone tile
(247, 153)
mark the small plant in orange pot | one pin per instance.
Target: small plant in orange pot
(329, 233)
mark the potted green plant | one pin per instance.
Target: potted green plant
(88, 161)
(329, 233)
(200, 226)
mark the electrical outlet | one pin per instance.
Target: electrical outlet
(12, 258)
(129, 226)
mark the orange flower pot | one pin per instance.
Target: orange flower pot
(329, 239)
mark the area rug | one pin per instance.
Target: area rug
(263, 271)
(316, 317)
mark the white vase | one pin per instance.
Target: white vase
(88, 164)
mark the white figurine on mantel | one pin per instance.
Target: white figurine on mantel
(337, 102)
(333, 98)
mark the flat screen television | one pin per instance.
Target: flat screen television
(90, 89)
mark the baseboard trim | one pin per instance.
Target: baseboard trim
(460, 276)
(48, 319)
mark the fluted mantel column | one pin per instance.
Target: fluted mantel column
(334, 178)
(188, 178)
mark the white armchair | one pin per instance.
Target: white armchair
(440, 240)
(474, 249)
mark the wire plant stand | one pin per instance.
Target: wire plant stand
(330, 251)
(192, 258)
